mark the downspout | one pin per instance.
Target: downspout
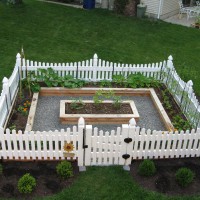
(159, 9)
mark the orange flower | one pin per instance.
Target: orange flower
(25, 109)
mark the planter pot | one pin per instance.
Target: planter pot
(88, 4)
(141, 9)
(104, 4)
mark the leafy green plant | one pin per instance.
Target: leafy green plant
(64, 169)
(166, 100)
(12, 127)
(26, 184)
(147, 168)
(180, 123)
(119, 79)
(30, 83)
(77, 104)
(140, 81)
(117, 102)
(97, 98)
(105, 83)
(101, 95)
(184, 176)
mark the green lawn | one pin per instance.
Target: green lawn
(108, 183)
(54, 33)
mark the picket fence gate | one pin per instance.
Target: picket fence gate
(95, 147)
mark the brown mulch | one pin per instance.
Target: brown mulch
(47, 180)
(164, 179)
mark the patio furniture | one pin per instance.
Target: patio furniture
(190, 11)
(193, 12)
(183, 10)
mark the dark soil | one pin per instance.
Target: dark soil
(164, 179)
(18, 119)
(47, 181)
(103, 108)
(175, 108)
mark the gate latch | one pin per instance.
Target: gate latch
(126, 156)
(128, 140)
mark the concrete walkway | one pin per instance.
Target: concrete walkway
(181, 21)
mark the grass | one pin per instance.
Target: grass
(54, 33)
(108, 183)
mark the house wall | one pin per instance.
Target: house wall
(167, 8)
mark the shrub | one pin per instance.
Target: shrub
(64, 169)
(119, 6)
(184, 176)
(147, 168)
(26, 184)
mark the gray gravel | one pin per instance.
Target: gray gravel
(47, 114)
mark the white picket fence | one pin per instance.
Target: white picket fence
(40, 145)
(96, 69)
(101, 148)
(8, 93)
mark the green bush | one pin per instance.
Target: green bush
(64, 169)
(147, 168)
(184, 176)
(26, 184)
(119, 6)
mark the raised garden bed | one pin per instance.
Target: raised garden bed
(19, 121)
(106, 113)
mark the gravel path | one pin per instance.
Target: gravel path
(47, 114)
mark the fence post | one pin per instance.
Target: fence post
(170, 64)
(18, 64)
(6, 92)
(81, 135)
(127, 144)
(95, 61)
(88, 134)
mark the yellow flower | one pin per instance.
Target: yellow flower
(68, 147)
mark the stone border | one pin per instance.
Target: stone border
(98, 118)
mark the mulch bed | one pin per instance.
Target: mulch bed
(47, 180)
(164, 180)
(103, 108)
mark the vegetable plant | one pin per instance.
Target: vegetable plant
(77, 104)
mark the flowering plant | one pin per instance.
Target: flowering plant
(24, 107)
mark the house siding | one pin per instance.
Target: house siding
(152, 6)
(168, 8)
